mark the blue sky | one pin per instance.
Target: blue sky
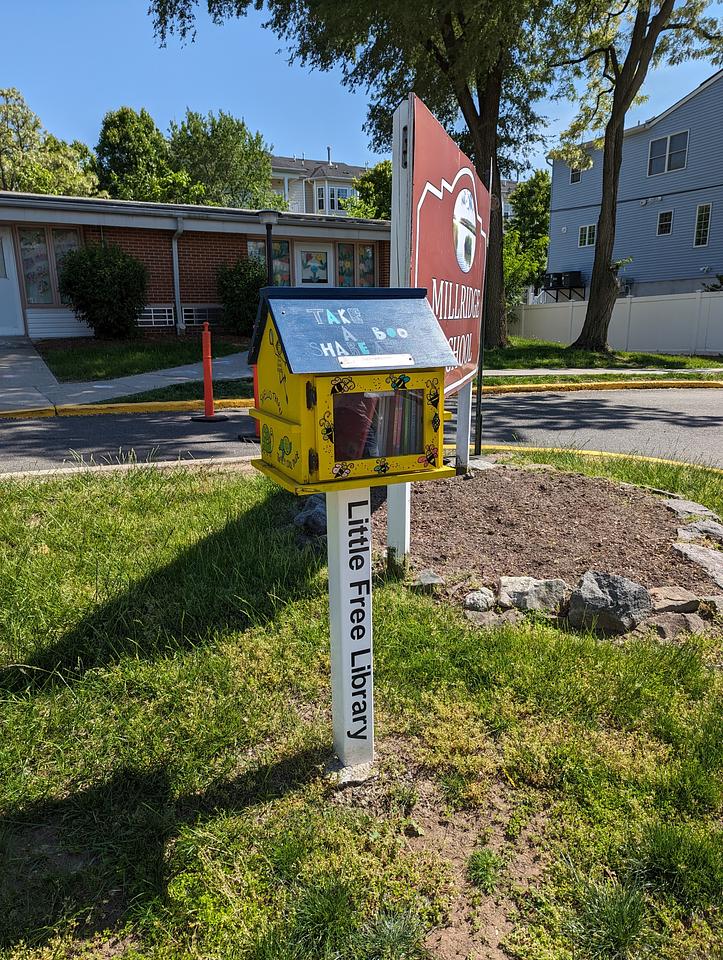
(75, 59)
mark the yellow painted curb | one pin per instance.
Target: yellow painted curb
(27, 414)
(158, 406)
(604, 454)
(603, 385)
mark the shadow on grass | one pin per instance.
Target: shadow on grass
(236, 577)
(98, 856)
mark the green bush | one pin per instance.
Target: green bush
(238, 290)
(106, 287)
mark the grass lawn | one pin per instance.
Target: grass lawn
(107, 359)
(165, 718)
(222, 390)
(530, 354)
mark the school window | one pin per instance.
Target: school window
(281, 256)
(42, 252)
(665, 223)
(586, 237)
(702, 225)
(320, 199)
(668, 153)
(356, 264)
(575, 174)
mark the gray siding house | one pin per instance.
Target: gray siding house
(670, 201)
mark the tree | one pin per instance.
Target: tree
(475, 62)
(530, 202)
(613, 50)
(133, 161)
(21, 136)
(524, 263)
(60, 168)
(219, 152)
(374, 194)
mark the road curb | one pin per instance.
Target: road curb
(189, 406)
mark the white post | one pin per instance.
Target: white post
(399, 494)
(464, 425)
(399, 506)
(349, 537)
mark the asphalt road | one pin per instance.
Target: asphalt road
(679, 424)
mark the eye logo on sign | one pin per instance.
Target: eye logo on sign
(464, 230)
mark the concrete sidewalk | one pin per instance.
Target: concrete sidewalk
(26, 382)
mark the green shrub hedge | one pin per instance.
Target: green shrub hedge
(106, 287)
(238, 290)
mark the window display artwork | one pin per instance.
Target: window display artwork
(282, 263)
(366, 264)
(314, 266)
(282, 259)
(36, 265)
(345, 265)
(63, 242)
(382, 424)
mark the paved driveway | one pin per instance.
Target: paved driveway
(678, 424)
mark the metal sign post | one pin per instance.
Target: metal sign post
(349, 536)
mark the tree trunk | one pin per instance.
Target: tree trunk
(603, 284)
(485, 140)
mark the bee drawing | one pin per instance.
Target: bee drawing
(382, 466)
(341, 470)
(433, 392)
(342, 385)
(398, 381)
(327, 427)
(429, 456)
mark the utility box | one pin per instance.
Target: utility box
(350, 388)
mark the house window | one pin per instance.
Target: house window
(320, 200)
(575, 174)
(586, 237)
(665, 223)
(332, 198)
(282, 259)
(668, 153)
(702, 225)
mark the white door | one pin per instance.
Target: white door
(11, 313)
(314, 264)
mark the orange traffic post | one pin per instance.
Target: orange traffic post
(208, 410)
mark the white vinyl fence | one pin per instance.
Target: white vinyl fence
(679, 323)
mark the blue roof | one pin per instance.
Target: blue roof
(357, 329)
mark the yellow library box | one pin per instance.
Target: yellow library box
(350, 389)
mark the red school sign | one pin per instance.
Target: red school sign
(449, 210)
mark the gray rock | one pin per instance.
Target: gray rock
(479, 600)
(689, 508)
(608, 602)
(669, 626)
(701, 528)
(714, 604)
(527, 593)
(710, 560)
(673, 600)
(427, 582)
(489, 619)
(312, 515)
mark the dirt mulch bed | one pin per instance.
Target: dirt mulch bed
(510, 521)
